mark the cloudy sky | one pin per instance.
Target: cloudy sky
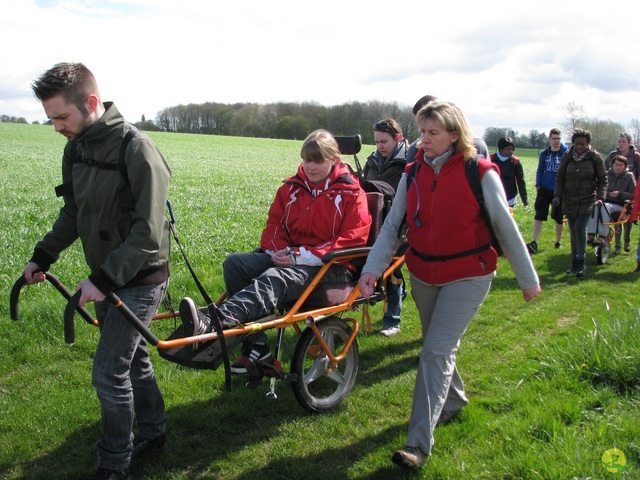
(505, 63)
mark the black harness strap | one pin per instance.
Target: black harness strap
(214, 312)
(444, 258)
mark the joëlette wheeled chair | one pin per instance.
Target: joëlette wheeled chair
(610, 222)
(324, 363)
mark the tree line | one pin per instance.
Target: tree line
(295, 120)
(287, 120)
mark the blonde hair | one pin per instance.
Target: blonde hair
(319, 146)
(451, 118)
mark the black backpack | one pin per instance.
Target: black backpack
(472, 170)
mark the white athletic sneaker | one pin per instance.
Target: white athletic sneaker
(390, 331)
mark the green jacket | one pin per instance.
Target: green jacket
(121, 248)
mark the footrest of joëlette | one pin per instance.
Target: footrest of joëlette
(206, 356)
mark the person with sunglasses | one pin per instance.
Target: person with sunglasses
(387, 164)
(450, 260)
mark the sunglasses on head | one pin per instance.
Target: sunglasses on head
(385, 126)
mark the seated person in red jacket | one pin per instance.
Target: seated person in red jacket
(320, 208)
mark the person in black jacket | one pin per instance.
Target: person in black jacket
(387, 164)
(511, 171)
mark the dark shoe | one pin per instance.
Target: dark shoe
(627, 247)
(532, 247)
(144, 446)
(637, 270)
(581, 268)
(616, 251)
(590, 240)
(195, 322)
(410, 457)
(107, 474)
(557, 245)
(447, 416)
(251, 353)
(574, 267)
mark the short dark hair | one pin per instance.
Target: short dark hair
(581, 133)
(505, 142)
(422, 102)
(74, 81)
(620, 158)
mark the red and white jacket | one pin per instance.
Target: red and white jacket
(315, 219)
(444, 219)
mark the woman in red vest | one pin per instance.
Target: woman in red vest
(451, 262)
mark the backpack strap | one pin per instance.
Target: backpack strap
(126, 200)
(411, 173)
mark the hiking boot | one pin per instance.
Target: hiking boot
(410, 457)
(600, 242)
(557, 245)
(616, 251)
(107, 474)
(144, 446)
(390, 331)
(532, 247)
(251, 353)
(627, 247)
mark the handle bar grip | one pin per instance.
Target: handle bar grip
(21, 282)
(14, 309)
(69, 311)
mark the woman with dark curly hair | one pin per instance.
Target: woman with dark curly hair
(581, 183)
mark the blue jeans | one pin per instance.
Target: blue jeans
(123, 376)
(391, 316)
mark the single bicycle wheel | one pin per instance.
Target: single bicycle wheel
(320, 388)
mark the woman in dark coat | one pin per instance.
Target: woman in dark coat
(581, 182)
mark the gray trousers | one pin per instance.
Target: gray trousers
(445, 313)
(254, 285)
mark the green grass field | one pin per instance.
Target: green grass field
(553, 384)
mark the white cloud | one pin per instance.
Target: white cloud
(507, 64)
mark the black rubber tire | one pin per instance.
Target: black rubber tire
(318, 388)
